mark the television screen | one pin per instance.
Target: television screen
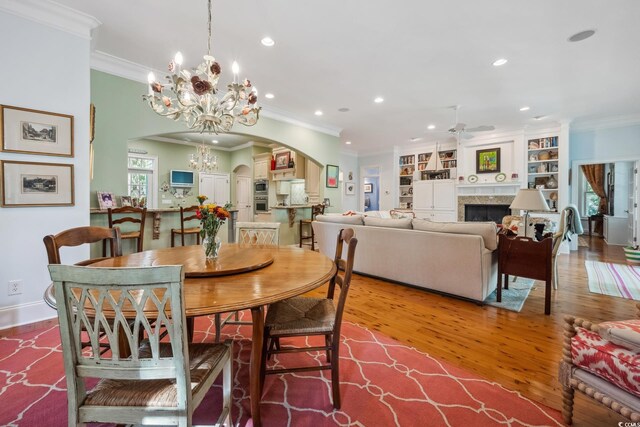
(182, 178)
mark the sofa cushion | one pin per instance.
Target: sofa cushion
(387, 222)
(350, 219)
(486, 230)
(607, 360)
(625, 333)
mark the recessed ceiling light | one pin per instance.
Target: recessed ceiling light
(348, 142)
(267, 41)
(539, 117)
(269, 95)
(378, 100)
(582, 35)
(499, 62)
(524, 108)
(343, 109)
(215, 141)
(318, 113)
(431, 127)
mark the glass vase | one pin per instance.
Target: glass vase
(211, 246)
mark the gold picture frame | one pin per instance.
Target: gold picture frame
(36, 184)
(27, 131)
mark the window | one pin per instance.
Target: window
(590, 201)
(142, 180)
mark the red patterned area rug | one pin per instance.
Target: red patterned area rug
(383, 383)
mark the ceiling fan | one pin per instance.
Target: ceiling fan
(461, 129)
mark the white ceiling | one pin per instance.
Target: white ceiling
(422, 56)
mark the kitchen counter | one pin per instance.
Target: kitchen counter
(292, 210)
(292, 207)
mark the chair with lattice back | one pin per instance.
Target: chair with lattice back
(150, 381)
(258, 233)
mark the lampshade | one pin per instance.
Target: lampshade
(529, 200)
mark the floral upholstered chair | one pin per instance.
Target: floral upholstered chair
(603, 362)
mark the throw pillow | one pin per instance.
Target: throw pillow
(400, 214)
(388, 222)
(625, 333)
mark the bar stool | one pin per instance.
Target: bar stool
(182, 230)
(315, 210)
(133, 234)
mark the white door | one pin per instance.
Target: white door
(216, 187)
(632, 208)
(243, 197)
(444, 195)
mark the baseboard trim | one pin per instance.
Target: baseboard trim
(24, 314)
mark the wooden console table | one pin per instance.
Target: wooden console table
(525, 257)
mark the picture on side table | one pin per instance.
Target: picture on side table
(282, 160)
(36, 132)
(36, 184)
(333, 172)
(488, 161)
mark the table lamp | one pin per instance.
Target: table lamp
(529, 200)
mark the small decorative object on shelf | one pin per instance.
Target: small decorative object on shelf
(514, 176)
(501, 177)
(472, 179)
(211, 218)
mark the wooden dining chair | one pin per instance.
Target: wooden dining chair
(76, 237)
(184, 230)
(306, 224)
(153, 380)
(135, 216)
(305, 316)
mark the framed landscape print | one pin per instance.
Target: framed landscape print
(333, 172)
(36, 184)
(488, 161)
(36, 132)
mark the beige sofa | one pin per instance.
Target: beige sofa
(454, 258)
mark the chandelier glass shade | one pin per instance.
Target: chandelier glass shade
(193, 95)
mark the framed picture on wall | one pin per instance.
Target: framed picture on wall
(36, 132)
(282, 160)
(488, 161)
(333, 172)
(36, 184)
(368, 188)
(350, 189)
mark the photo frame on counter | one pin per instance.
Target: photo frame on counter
(126, 201)
(333, 172)
(106, 200)
(36, 184)
(488, 160)
(282, 160)
(27, 131)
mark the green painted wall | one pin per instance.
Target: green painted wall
(121, 115)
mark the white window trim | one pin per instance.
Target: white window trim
(154, 171)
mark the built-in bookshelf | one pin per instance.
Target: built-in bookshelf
(449, 164)
(542, 168)
(407, 168)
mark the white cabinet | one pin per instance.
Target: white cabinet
(312, 181)
(435, 200)
(283, 188)
(296, 172)
(261, 166)
(615, 230)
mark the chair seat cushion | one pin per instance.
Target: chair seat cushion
(616, 364)
(203, 359)
(625, 333)
(300, 315)
(186, 230)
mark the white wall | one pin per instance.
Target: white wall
(349, 163)
(45, 69)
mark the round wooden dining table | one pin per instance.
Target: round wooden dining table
(243, 277)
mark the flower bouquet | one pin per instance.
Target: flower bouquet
(211, 218)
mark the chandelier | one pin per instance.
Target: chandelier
(192, 95)
(202, 160)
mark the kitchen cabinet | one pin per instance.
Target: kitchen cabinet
(296, 172)
(261, 166)
(312, 181)
(435, 200)
(283, 188)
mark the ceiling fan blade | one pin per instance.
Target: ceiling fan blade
(466, 135)
(459, 126)
(483, 128)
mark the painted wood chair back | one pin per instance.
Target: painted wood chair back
(258, 233)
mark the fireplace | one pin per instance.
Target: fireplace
(485, 212)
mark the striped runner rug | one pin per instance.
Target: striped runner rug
(617, 280)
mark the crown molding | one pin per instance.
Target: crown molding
(287, 117)
(107, 63)
(605, 123)
(346, 152)
(53, 15)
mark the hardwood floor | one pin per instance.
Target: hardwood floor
(521, 351)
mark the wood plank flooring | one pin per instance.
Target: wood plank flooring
(521, 351)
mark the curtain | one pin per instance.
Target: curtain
(595, 176)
